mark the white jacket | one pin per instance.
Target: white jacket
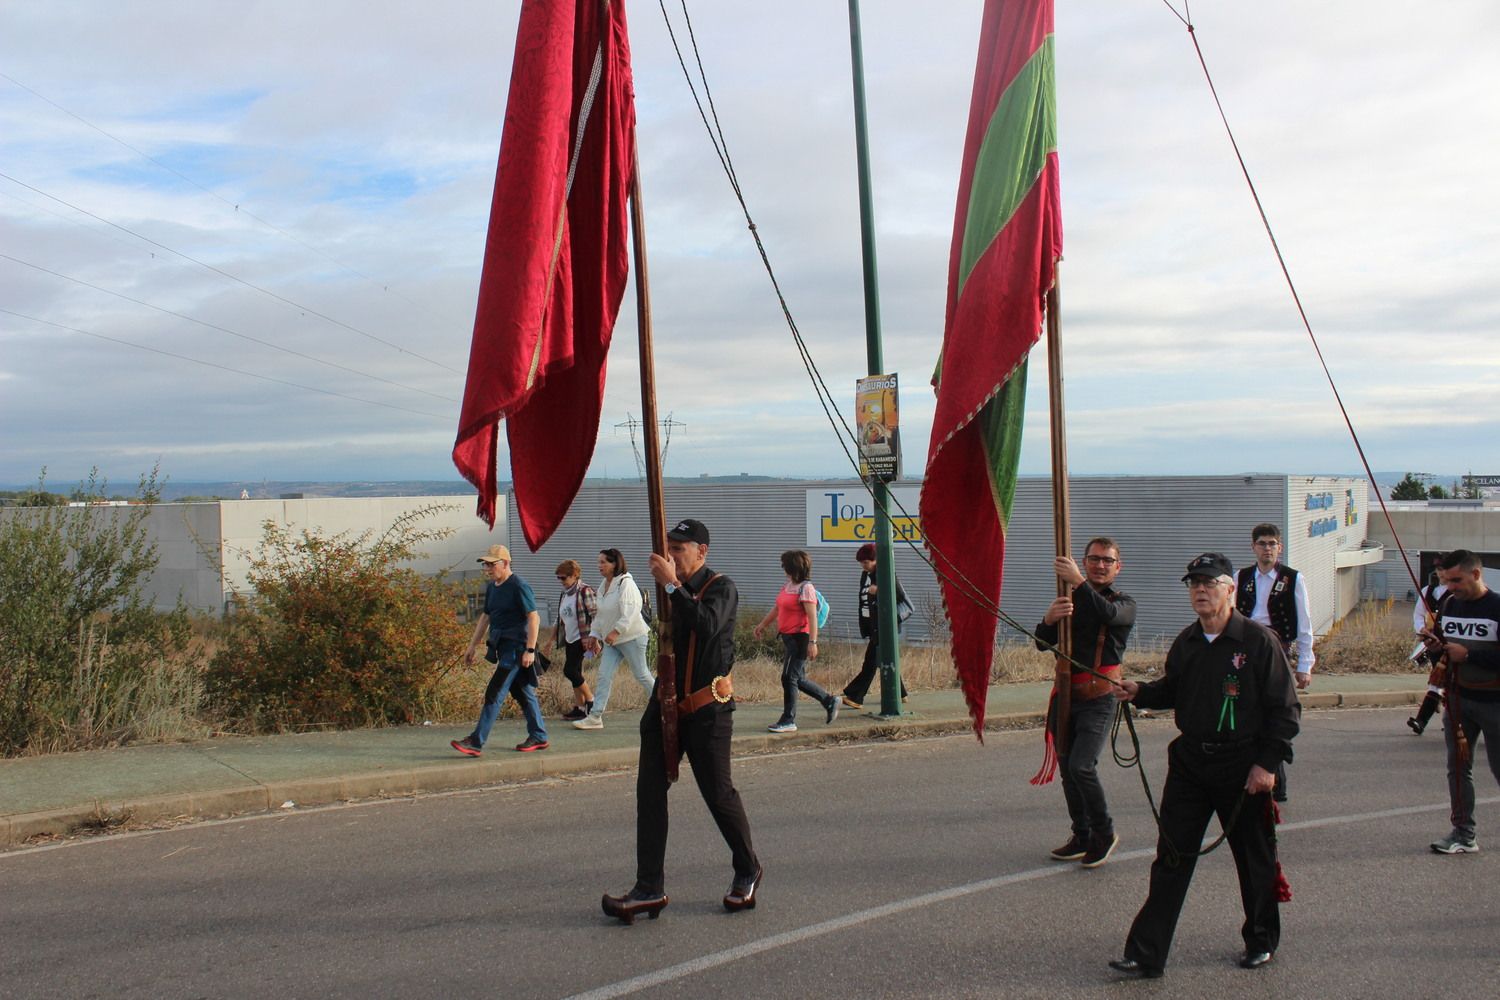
(619, 610)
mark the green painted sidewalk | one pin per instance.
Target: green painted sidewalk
(66, 793)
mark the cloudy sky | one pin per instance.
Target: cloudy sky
(244, 239)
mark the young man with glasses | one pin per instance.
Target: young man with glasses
(1275, 595)
(1227, 680)
(1100, 619)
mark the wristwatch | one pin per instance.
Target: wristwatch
(531, 649)
(670, 588)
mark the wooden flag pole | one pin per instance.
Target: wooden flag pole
(1061, 520)
(666, 662)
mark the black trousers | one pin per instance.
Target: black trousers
(1199, 786)
(856, 689)
(573, 662)
(704, 737)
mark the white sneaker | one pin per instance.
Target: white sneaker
(589, 722)
(782, 727)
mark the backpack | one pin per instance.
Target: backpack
(647, 614)
(823, 608)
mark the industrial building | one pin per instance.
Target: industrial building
(1160, 522)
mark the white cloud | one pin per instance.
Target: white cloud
(369, 131)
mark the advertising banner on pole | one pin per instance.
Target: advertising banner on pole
(877, 419)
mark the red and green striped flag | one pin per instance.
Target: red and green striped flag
(1007, 236)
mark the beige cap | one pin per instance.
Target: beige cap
(497, 553)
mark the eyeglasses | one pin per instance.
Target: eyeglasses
(1101, 560)
(1268, 543)
(1203, 583)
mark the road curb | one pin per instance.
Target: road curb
(104, 814)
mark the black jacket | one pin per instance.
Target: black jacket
(1198, 677)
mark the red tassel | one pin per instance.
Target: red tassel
(1048, 770)
(1282, 886)
(1049, 764)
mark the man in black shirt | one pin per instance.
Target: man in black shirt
(704, 608)
(1231, 688)
(1101, 618)
(1468, 640)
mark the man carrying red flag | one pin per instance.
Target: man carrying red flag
(1007, 237)
(555, 260)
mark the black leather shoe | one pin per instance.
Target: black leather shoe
(1131, 967)
(633, 904)
(1255, 959)
(741, 894)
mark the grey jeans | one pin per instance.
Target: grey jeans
(1478, 717)
(1088, 728)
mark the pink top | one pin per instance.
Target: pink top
(791, 616)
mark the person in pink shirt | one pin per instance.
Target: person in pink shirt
(796, 616)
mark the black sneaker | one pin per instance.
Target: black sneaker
(1101, 846)
(832, 708)
(467, 746)
(575, 713)
(1073, 850)
(532, 744)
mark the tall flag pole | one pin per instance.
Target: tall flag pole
(555, 261)
(1007, 237)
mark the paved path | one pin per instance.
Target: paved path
(67, 793)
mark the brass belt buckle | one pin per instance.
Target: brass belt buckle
(727, 694)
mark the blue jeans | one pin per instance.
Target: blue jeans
(507, 678)
(633, 652)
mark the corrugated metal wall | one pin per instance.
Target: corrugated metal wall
(1160, 523)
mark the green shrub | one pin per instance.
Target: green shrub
(336, 632)
(83, 658)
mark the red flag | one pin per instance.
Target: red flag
(1007, 236)
(555, 260)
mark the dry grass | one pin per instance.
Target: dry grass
(757, 679)
(1374, 638)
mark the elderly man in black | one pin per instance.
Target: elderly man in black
(704, 607)
(1231, 687)
(1101, 618)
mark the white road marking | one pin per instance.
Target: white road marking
(703, 963)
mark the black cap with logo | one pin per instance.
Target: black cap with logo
(689, 530)
(1210, 564)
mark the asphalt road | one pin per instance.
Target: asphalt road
(907, 869)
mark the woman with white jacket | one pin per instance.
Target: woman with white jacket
(618, 632)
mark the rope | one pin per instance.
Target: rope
(845, 434)
(1186, 18)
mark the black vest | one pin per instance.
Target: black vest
(1282, 604)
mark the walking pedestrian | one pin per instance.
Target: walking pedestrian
(869, 627)
(704, 608)
(510, 623)
(796, 615)
(576, 606)
(1235, 704)
(619, 633)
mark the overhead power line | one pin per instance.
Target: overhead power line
(225, 368)
(224, 329)
(307, 310)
